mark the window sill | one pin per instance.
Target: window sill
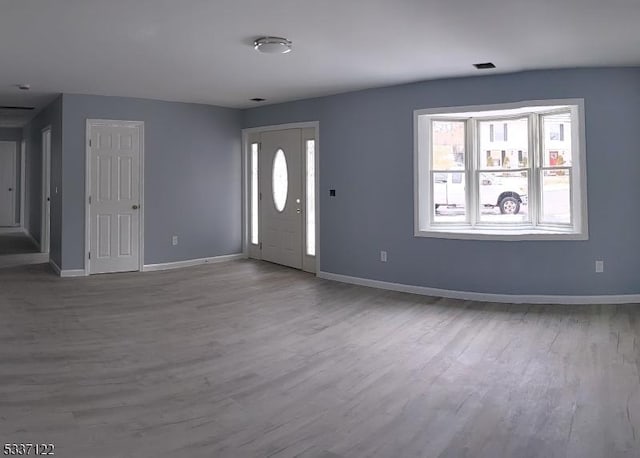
(501, 234)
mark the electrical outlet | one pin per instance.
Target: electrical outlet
(383, 256)
(174, 240)
(599, 267)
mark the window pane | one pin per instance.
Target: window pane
(556, 196)
(448, 145)
(504, 144)
(254, 193)
(449, 197)
(311, 197)
(503, 197)
(556, 140)
(280, 180)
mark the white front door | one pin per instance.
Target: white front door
(281, 190)
(7, 183)
(114, 224)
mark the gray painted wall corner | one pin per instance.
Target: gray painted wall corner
(51, 115)
(192, 176)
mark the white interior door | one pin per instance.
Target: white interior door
(114, 225)
(46, 191)
(281, 190)
(7, 183)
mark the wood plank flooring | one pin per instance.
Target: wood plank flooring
(248, 359)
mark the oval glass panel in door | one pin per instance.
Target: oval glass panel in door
(280, 180)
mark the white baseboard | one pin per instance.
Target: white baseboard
(28, 234)
(154, 267)
(485, 297)
(66, 273)
(73, 273)
(10, 229)
(191, 262)
(14, 260)
(55, 267)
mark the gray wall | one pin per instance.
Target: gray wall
(51, 115)
(15, 135)
(366, 154)
(192, 176)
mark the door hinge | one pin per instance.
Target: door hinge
(90, 144)
(89, 200)
(260, 198)
(89, 254)
(261, 245)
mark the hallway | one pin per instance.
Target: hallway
(17, 243)
(17, 248)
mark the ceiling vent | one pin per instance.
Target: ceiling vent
(484, 65)
(258, 99)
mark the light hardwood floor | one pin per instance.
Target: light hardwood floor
(248, 359)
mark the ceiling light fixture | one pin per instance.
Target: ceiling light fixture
(24, 87)
(272, 45)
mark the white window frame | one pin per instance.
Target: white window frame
(424, 212)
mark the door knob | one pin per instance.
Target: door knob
(135, 207)
(10, 189)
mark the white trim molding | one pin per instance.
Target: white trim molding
(192, 262)
(66, 273)
(485, 297)
(32, 238)
(45, 192)
(23, 259)
(55, 267)
(73, 273)
(23, 186)
(467, 193)
(10, 229)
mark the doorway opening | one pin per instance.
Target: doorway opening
(17, 246)
(8, 191)
(281, 195)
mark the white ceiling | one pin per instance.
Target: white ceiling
(200, 50)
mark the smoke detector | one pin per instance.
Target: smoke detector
(272, 45)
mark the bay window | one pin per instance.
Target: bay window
(513, 171)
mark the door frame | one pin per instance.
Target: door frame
(23, 186)
(246, 181)
(87, 187)
(45, 223)
(14, 223)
